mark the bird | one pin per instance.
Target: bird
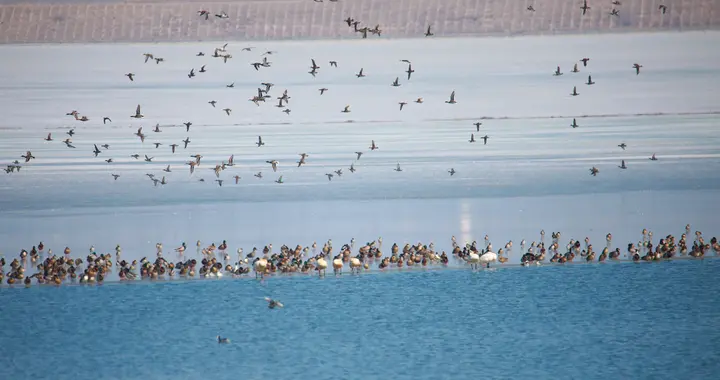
(428, 33)
(452, 172)
(212, 103)
(115, 176)
(322, 90)
(452, 98)
(237, 179)
(167, 169)
(202, 69)
(472, 138)
(398, 168)
(148, 56)
(557, 72)
(352, 168)
(574, 124)
(187, 126)
(653, 158)
(585, 61)
(637, 68)
(109, 160)
(96, 151)
(622, 165)
(359, 154)
(409, 71)
(191, 74)
(339, 172)
(594, 171)
(157, 145)
(28, 156)
(222, 340)
(477, 126)
(137, 115)
(273, 163)
(219, 181)
(585, 7)
(396, 82)
(260, 143)
(402, 104)
(663, 8)
(346, 109)
(157, 128)
(574, 93)
(360, 74)
(186, 141)
(419, 100)
(530, 8)
(227, 111)
(148, 159)
(173, 146)
(279, 180)
(330, 176)
(623, 146)
(258, 175)
(273, 303)
(373, 146)
(485, 139)
(106, 119)
(589, 81)
(49, 137)
(130, 76)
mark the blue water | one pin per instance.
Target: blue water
(602, 321)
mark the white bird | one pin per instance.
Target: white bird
(473, 259)
(321, 266)
(260, 267)
(273, 303)
(337, 266)
(355, 265)
(487, 258)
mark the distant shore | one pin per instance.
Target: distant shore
(79, 21)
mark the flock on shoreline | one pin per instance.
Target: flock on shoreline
(215, 261)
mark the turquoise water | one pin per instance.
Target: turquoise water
(602, 321)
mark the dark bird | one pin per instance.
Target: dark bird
(157, 145)
(574, 123)
(614, 12)
(585, 61)
(472, 138)
(71, 132)
(231, 85)
(622, 146)
(428, 33)
(594, 171)
(227, 111)
(574, 93)
(137, 115)
(396, 82)
(202, 69)
(330, 176)
(322, 90)
(622, 165)
(653, 158)
(637, 68)
(187, 126)
(485, 139)
(346, 109)
(333, 63)
(96, 151)
(452, 172)
(191, 74)
(28, 156)
(148, 159)
(186, 141)
(452, 98)
(663, 8)
(477, 126)
(359, 154)
(109, 160)
(49, 137)
(589, 81)
(115, 176)
(398, 168)
(173, 146)
(131, 76)
(212, 103)
(409, 71)
(372, 147)
(360, 73)
(402, 104)
(585, 7)
(352, 168)
(258, 175)
(260, 143)
(106, 119)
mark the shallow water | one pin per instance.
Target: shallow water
(573, 322)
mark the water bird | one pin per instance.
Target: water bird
(273, 303)
(352, 168)
(614, 12)
(157, 145)
(279, 180)
(148, 159)
(575, 69)
(71, 132)
(419, 100)
(333, 63)
(192, 73)
(106, 119)
(398, 168)
(222, 340)
(237, 179)
(330, 176)
(359, 154)
(187, 126)
(115, 176)
(173, 146)
(130, 76)
(623, 146)
(148, 56)
(530, 8)
(594, 171)
(373, 146)
(585, 61)
(227, 111)
(428, 33)
(137, 115)
(260, 143)
(97, 150)
(487, 258)
(622, 165)
(360, 73)
(186, 141)
(402, 104)
(157, 128)
(322, 90)
(28, 156)
(158, 60)
(584, 7)
(167, 169)
(616, 2)
(589, 81)
(410, 70)
(49, 137)
(274, 164)
(637, 68)
(574, 93)
(662, 8)
(396, 82)
(339, 172)
(109, 160)
(219, 181)
(557, 72)
(140, 134)
(472, 138)
(135, 156)
(452, 98)
(200, 54)
(485, 139)
(574, 123)
(452, 172)
(258, 175)
(346, 109)
(231, 85)
(653, 158)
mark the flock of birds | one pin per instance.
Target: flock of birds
(215, 261)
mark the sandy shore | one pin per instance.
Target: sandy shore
(78, 21)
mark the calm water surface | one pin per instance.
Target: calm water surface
(573, 322)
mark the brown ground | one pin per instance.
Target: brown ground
(160, 21)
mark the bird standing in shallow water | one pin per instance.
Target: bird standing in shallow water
(273, 303)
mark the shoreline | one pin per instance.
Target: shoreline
(45, 21)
